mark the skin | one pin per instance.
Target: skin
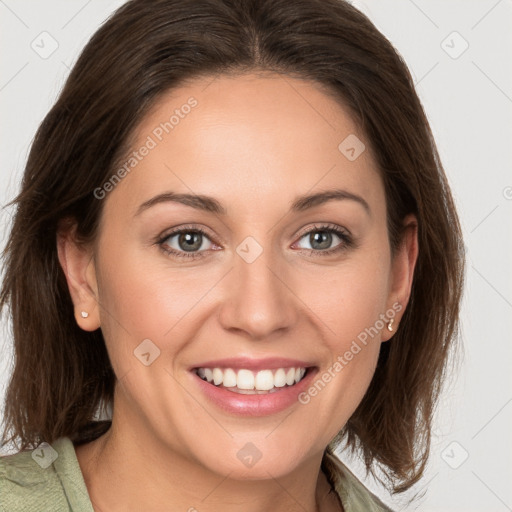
(253, 142)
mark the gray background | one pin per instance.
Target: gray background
(467, 94)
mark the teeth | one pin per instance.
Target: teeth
(279, 378)
(249, 382)
(290, 377)
(264, 380)
(245, 379)
(229, 380)
(217, 376)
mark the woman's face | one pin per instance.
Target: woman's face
(268, 286)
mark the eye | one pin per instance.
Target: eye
(320, 239)
(192, 241)
(186, 242)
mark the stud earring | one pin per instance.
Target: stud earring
(390, 324)
(84, 314)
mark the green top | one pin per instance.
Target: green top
(49, 479)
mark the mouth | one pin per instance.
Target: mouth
(249, 386)
(250, 382)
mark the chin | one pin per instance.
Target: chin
(251, 463)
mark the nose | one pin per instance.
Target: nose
(258, 299)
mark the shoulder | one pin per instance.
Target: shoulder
(353, 494)
(47, 478)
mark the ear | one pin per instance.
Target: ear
(77, 262)
(402, 273)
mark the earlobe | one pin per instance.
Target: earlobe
(403, 265)
(77, 262)
(391, 324)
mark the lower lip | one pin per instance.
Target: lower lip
(254, 405)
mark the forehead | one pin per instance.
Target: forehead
(259, 137)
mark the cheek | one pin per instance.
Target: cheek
(348, 298)
(145, 298)
(348, 306)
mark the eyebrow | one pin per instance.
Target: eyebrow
(212, 205)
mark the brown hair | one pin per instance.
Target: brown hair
(144, 49)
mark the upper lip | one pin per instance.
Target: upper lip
(249, 363)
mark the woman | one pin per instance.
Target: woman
(234, 230)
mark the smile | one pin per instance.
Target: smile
(250, 386)
(250, 382)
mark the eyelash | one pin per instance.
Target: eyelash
(347, 241)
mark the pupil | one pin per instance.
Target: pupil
(324, 237)
(190, 241)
